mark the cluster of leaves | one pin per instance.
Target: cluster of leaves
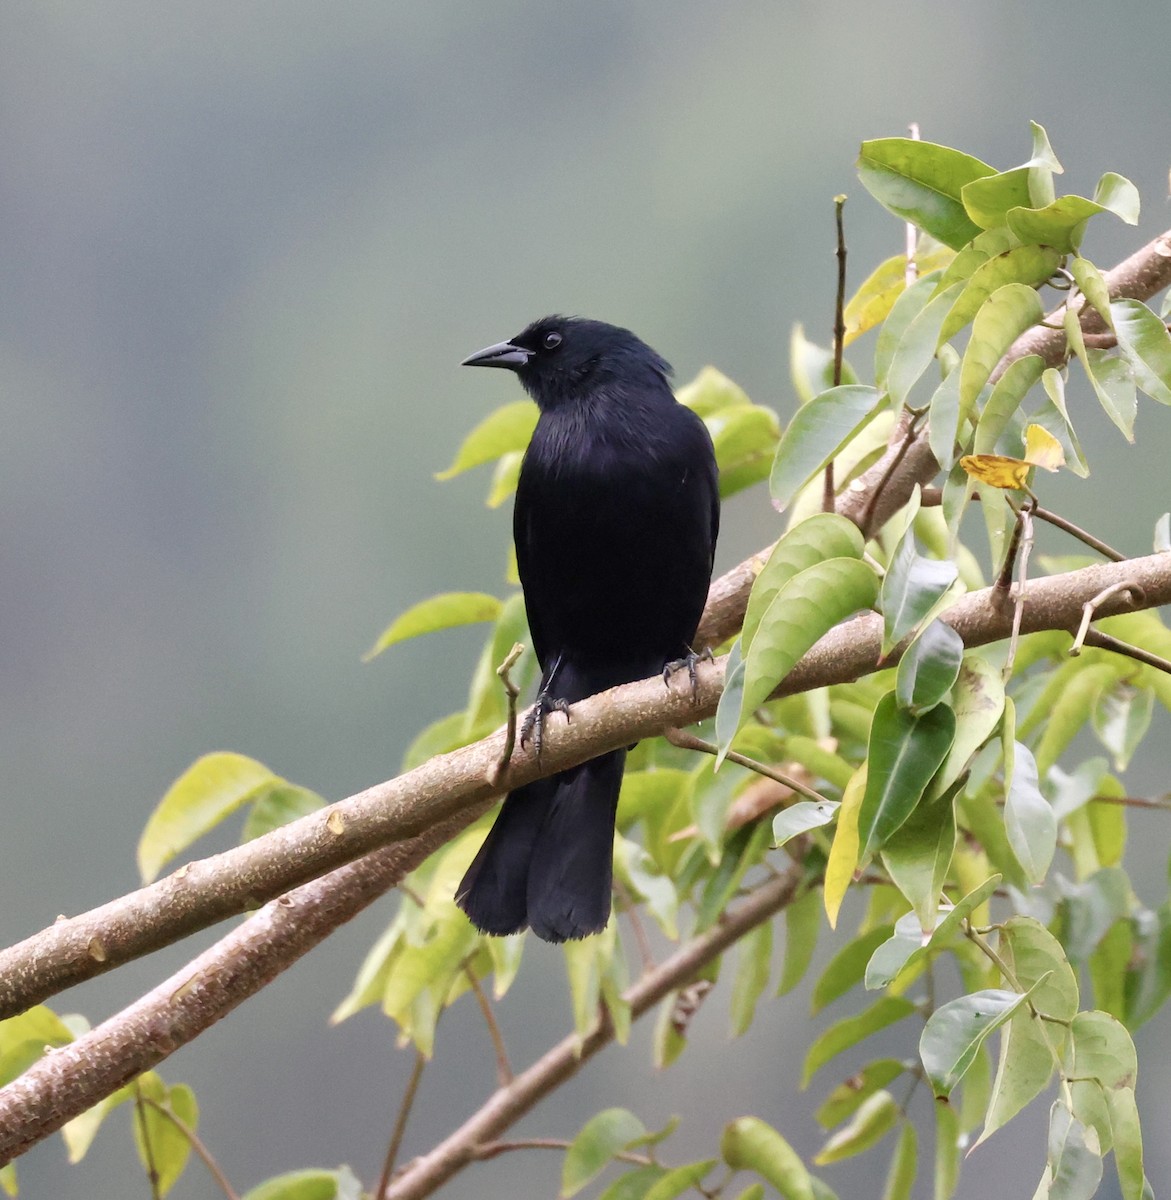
(941, 786)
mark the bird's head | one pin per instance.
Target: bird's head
(560, 360)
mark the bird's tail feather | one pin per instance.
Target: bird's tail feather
(547, 861)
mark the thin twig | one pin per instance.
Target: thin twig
(905, 433)
(630, 908)
(1162, 803)
(1018, 610)
(829, 501)
(932, 497)
(1103, 641)
(503, 1066)
(910, 233)
(197, 1144)
(512, 692)
(1090, 608)
(152, 1171)
(400, 1124)
(491, 1149)
(507, 1105)
(688, 741)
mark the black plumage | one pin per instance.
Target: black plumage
(615, 523)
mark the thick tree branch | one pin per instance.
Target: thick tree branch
(216, 888)
(74, 1077)
(508, 1104)
(397, 823)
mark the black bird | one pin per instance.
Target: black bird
(617, 510)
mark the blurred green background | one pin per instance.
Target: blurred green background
(244, 246)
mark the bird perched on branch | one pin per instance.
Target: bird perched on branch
(615, 523)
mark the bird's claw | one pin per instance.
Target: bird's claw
(533, 726)
(690, 660)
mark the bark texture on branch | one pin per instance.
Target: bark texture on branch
(396, 824)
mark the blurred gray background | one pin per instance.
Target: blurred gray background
(243, 248)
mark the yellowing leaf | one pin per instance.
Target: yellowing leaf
(1042, 449)
(997, 470)
(843, 854)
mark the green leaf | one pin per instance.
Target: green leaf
(1061, 224)
(929, 668)
(278, 806)
(79, 1133)
(1054, 384)
(978, 702)
(955, 1031)
(801, 818)
(810, 604)
(1028, 817)
(817, 538)
(1145, 343)
(919, 855)
(1003, 317)
(802, 925)
(849, 1096)
(904, 311)
(748, 1144)
(1121, 717)
(1005, 398)
(505, 475)
(507, 429)
(1118, 195)
(634, 1185)
(877, 1116)
(872, 303)
(988, 199)
(1110, 377)
(162, 1147)
(847, 967)
(310, 1184)
(1025, 1066)
(1092, 285)
(712, 392)
(1074, 1159)
(1042, 167)
(212, 788)
(1065, 713)
(638, 871)
(905, 752)
(1029, 265)
(913, 586)
(943, 420)
(851, 1030)
(987, 245)
(729, 711)
(913, 937)
(947, 1150)
(817, 432)
(923, 183)
(811, 367)
(601, 1137)
(745, 441)
(678, 1180)
(916, 348)
(904, 1165)
(1128, 1143)
(755, 951)
(444, 611)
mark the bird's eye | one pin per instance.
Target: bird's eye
(552, 340)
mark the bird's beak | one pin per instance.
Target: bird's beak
(503, 354)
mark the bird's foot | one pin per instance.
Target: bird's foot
(689, 661)
(533, 726)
